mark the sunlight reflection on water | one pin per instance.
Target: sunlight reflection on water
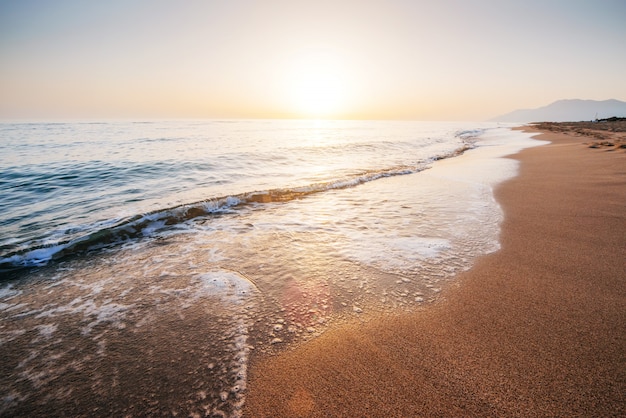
(167, 324)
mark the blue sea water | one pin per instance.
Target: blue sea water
(145, 263)
(61, 183)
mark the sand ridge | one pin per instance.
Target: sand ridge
(536, 329)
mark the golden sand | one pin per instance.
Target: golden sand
(536, 329)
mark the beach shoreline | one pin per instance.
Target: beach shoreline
(535, 329)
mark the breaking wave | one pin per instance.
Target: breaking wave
(57, 243)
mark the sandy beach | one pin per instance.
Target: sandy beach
(535, 329)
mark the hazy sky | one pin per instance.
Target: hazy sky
(382, 59)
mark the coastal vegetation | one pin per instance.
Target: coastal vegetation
(607, 133)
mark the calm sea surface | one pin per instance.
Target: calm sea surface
(144, 263)
(61, 183)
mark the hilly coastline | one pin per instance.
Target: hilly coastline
(572, 110)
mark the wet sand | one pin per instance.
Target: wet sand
(535, 329)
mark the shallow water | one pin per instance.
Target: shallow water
(66, 187)
(165, 323)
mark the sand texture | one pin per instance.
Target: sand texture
(606, 133)
(535, 329)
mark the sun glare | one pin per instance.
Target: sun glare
(317, 86)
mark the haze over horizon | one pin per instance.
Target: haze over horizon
(400, 59)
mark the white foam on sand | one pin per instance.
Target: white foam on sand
(393, 252)
(234, 289)
(94, 312)
(441, 216)
(229, 286)
(96, 307)
(486, 163)
(47, 330)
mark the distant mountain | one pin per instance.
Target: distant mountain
(567, 111)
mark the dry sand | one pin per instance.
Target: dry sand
(536, 329)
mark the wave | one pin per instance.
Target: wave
(470, 134)
(108, 233)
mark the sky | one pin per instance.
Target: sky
(346, 59)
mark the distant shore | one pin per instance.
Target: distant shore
(535, 329)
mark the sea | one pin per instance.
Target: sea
(144, 265)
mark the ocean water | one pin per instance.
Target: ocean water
(144, 264)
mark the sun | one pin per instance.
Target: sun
(317, 87)
(318, 94)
